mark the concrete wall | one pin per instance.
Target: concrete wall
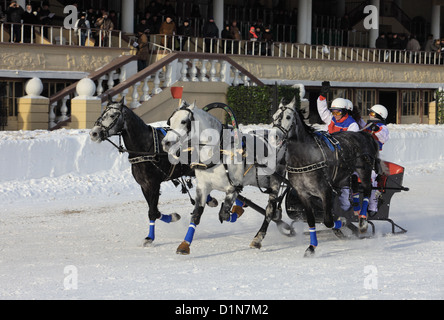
(161, 106)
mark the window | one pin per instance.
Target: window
(429, 96)
(410, 103)
(364, 100)
(10, 90)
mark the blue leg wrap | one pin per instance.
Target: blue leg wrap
(338, 224)
(166, 218)
(364, 207)
(239, 203)
(233, 217)
(151, 232)
(209, 198)
(313, 237)
(190, 234)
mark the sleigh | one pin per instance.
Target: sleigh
(389, 183)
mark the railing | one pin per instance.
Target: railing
(296, 50)
(45, 34)
(135, 89)
(181, 66)
(106, 77)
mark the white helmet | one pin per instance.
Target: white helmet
(349, 105)
(339, 103)
(380, 110)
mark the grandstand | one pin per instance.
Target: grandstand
(312, 41)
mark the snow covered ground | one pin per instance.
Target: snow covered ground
(72, 223)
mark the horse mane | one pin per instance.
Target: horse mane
(308, 128)
(137, 120)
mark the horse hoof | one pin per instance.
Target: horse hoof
(255, 245)
(175, 217)
(363, 225)
(183, 248)
(148, 242)
(310, 252)
(213, 203)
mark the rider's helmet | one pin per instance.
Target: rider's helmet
(339, 104)
(380, 111)
(349, 105)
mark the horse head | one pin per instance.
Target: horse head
(110, 123)
(180, 123)
(284, 118)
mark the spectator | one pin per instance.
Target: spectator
(154, 24)
(430, 45)
(403, 41)
(14, 15)
(45, 16)
(142, 50)
(382, 45)
(143, 26)
(413, 43)
(185, 32)
(105, 25)
(441, 49)
(210, 31)
(29, 18)
(168, 29)
(253, 37)
(235, 35)
(268, 38)
(260, 29)
(82, 28)
(381, 42)
(395, 44)
(113, 17)
(91, 16)
(227, 43)
(413, 46)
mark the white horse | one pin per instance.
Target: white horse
(225, 160)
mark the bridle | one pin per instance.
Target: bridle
(278, 123)
(105, 129)
(189, 121)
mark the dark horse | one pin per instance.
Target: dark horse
(319, 165)
(149, 163)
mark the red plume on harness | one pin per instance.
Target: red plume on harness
(176, 92)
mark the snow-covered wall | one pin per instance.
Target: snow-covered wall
(28, 155)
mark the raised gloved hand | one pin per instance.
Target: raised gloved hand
(374, 127)
(325, 88)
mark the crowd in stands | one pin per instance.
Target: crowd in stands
(160, 17)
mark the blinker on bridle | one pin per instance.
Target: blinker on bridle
(105, 129)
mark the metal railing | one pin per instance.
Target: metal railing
(296, 50)
(58, 35)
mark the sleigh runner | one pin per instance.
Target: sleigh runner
(389, 183)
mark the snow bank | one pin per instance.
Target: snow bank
(37, 154)
(414, 144)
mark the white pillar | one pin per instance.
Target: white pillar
(302, 21)
(128, 16)
(436, 19)
(374, 33)
(218, 14)
(309, 21)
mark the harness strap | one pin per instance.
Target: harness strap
(309, 168)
